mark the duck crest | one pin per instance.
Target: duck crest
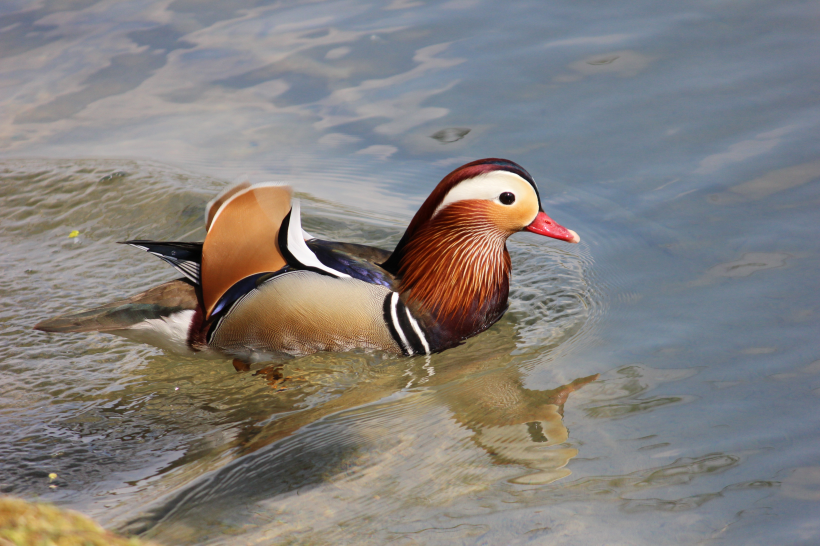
(456, 268)
(428, 208)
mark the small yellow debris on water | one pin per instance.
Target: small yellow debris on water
(73, 234)
(52, 476)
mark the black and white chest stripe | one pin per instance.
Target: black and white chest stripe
(403, 326)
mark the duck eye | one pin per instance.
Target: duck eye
(507, 198)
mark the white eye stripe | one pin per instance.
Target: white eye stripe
(487, 186)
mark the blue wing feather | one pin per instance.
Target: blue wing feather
(358, 261)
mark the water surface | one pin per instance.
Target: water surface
(656, 384)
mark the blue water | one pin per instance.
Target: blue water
(679, 140)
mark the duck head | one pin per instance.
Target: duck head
(452, 262)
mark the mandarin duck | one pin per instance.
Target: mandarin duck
(260, 286)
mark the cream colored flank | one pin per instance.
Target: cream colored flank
(302, 312)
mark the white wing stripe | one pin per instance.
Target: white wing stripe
(297, 246)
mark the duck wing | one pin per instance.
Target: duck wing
(358, 261)
(287, 246)
(242, 238)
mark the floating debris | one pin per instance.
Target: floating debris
(73, 234)
(605, 60)
(113, 176)
(451, 134)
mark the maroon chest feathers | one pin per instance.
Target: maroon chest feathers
(455, 273)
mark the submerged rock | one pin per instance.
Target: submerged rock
(25, 523)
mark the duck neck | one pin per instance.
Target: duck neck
(455, 270)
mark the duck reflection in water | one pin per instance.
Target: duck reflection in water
(516, 425)
(282, 450)
(481, 385)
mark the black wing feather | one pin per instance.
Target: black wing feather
(185, 257)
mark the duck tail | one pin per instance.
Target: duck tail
(158, 302)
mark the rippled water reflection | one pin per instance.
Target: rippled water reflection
(657, 384)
